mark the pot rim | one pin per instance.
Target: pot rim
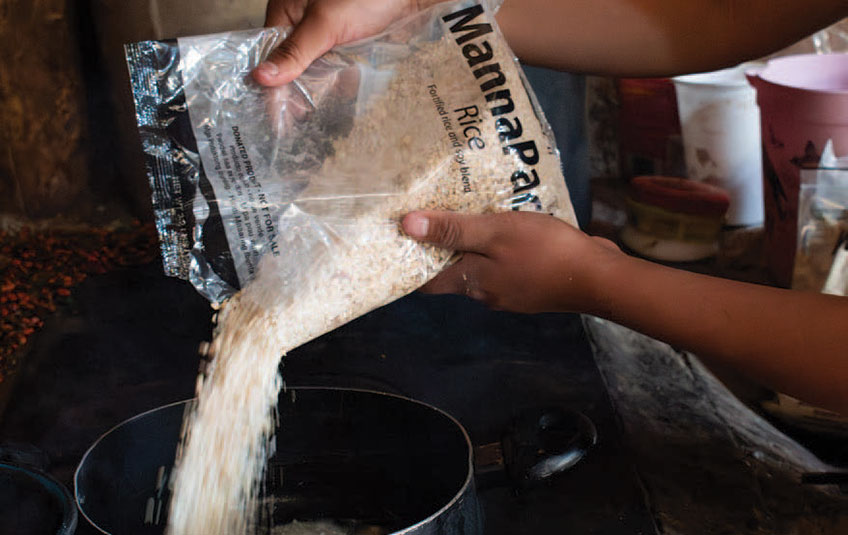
(469, 478)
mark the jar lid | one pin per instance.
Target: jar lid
(680, 195)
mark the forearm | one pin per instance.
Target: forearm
(791, 341)
(657, 37)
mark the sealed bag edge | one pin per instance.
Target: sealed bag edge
(145, 61)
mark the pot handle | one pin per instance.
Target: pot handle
(538, 444)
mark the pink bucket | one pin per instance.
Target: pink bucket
(803, 103)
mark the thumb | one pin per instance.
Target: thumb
(450, 230)
(308, 40)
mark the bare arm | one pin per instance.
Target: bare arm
(658, 37)
(617, 37)
(791, 341)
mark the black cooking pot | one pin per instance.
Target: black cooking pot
(371, 462)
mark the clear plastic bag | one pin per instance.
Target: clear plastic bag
(298, 191)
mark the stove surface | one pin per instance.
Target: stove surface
(129, 344)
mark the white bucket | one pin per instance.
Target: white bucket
(720, 124)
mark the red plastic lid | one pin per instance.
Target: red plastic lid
(680, 195)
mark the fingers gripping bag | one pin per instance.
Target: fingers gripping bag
(284, 204)
(433, 113)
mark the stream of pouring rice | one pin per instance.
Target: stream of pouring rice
(215, 495)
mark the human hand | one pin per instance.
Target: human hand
(319, 25)
(517, 261)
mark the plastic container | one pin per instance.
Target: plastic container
(804, 103)
(674, 219)
(720, 124)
